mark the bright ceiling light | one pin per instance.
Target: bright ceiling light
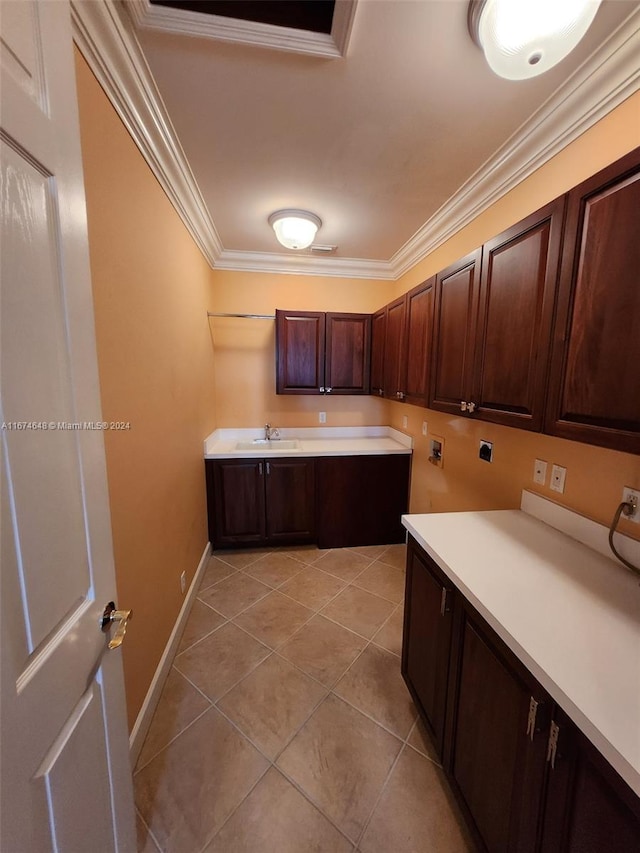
(524, 38)
(295, 229)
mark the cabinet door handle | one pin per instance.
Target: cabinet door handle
(463, 406)
(321, 389)
(444, 601)
(268, 468)
(328, 390)
(552, 745)
(260, 468)
(531, 719)
(471, 407)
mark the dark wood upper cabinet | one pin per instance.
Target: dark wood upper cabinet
(348, 350)
(395, 342)
(318, 353)
(454, 333)
(299, 352)
(594, 387)
(378, 335)
(417, 353)
(515, 315)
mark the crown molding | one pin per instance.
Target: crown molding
(274, 262)
(187, 23)
(599, 85)
(105, 35)
(107, 41)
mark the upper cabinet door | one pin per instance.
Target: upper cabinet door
(300, 352)
(515, 314)
(417, 355)
(378, 335)
(393, 349)
(454, 334)
(348, 349)
(594, 386)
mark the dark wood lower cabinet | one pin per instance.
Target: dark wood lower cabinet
(255, 501)
(518, 793)
(361, 499)
(426, 648)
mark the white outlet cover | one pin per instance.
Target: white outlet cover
(540, 472)
(405, 422)
(424, 427)
(558, 475)
(322, 417)
(627, 495)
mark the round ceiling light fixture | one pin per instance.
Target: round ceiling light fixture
(524, 38)
(295, 229)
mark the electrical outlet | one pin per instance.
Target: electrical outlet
(486, 451)
(558, 475)
(405, 422)
(322, 417)
(540, 472)
(183, 582)
(632, 496)
(424, 427)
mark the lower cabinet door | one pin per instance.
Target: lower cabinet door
(589, 808)
(236, 501)
(290, 500)
(496, 757)
(426, 642)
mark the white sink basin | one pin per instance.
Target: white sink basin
(269, 445)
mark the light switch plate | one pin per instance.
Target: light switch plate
(405, 422)
(322, 417)
(558, 475)
(540, 472)
(424, 427)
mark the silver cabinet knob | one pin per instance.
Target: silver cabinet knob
(471, 407)
(463, 406)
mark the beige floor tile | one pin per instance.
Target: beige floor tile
(187, 791)
(383, 580)
(145, 843)
(313, 588)
(370, 551)
(271, 703)
(322, 649)
(416, 812)
(343, 563)
(374, 685)
(274, 569)
(359, 611)
(202, 621)
(420, 739)
(274, 619)
(242, 558)
(306, 554)
(216, 571)
(390, 635)
(220, 660)
(396, 556)
(179, 705)
(234, 594)
(276, 818)
(341, 760)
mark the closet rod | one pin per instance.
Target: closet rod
(244, 316)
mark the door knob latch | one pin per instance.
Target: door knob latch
(111, 615)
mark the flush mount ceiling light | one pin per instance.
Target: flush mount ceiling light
(295, 229)
(524, 38)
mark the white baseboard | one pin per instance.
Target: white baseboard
(143, 720)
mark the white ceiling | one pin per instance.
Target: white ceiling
(375, 143)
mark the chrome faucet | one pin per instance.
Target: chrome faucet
(271, 432)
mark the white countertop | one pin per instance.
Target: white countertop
(569, 613)
(314, 441)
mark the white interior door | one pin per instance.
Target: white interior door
(65, 775)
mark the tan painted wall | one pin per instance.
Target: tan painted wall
(595, 476)
(151, 289)
(245, 349)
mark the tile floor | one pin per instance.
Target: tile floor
(285, 725)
